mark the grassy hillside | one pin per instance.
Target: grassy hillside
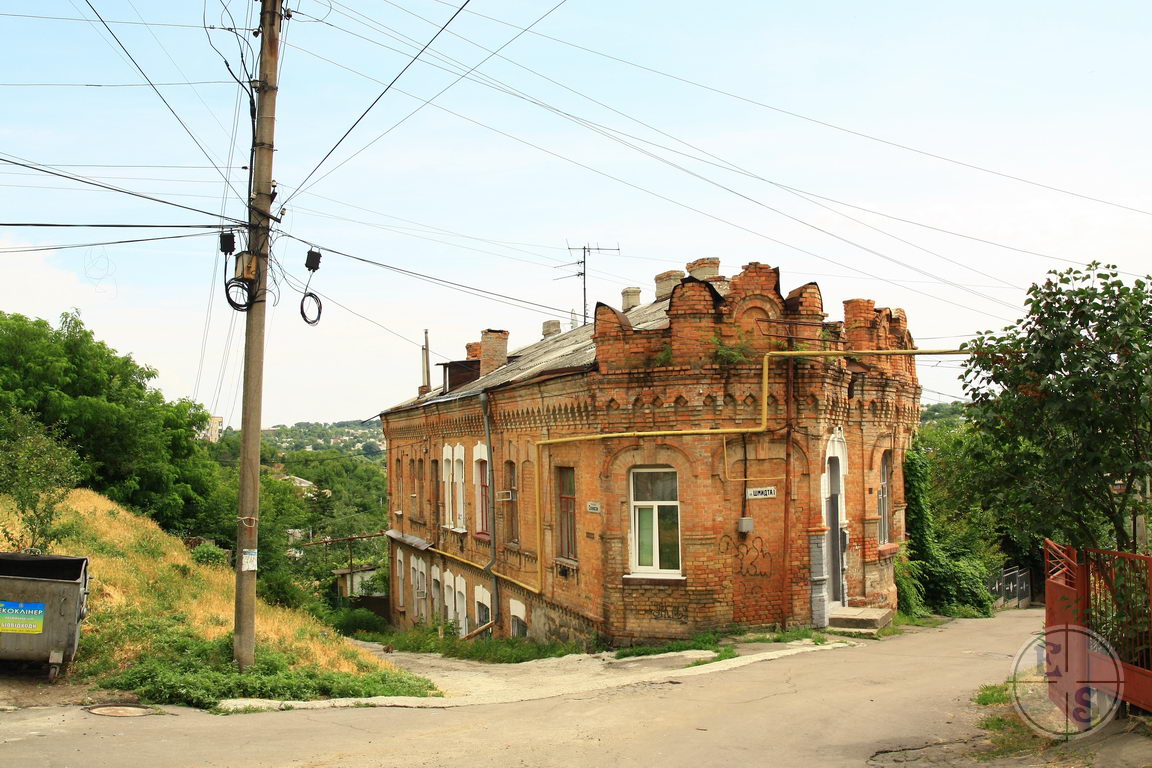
(160, 624)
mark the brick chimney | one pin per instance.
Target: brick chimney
(630, 299)
(493, 350)
(551, 328)
(472, 350)
(702, 269)
(666, 281)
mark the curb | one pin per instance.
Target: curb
(433, 702)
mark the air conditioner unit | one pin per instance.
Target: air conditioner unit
(505, 495)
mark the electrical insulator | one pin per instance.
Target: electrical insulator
(227, 242)
(312, 260)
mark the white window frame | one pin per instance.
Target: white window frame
(401, 575)
(884, 499)
(414, 570)
(436, 593)
(480, 454)
(633, 548)
(447, 498)
(458, 462)
(462, 605)
(517, 612)
(449, 596)
(482, 597)
(420, 595)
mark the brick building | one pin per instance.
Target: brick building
(528, 493)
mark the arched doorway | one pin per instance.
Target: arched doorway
(835, 519)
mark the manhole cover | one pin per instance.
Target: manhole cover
(120, 710)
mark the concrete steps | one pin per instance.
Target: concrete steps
(860, 618)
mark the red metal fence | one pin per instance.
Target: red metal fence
(1109, 593)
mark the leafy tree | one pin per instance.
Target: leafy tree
(1063, 404)
(951, 412)
(137, 448)
(37, 471)
(948, 559)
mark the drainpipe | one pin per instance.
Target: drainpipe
(486, 411)
(761, 427)
(790, 367)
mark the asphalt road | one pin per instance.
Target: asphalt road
(834, 708)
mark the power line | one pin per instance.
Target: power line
(127, 178)
(157, 91)
(604, 130)
(472, 290)
(115, 226)
(298, 286)
(954, 233)
(31, 249)
(110, 21)
(380, 96)
(425, 235)
(129, 165)
(701, 211)
(111, 188)
(439, 93)
(824, 123)
(113, 85)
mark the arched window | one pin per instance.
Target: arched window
(511, 505)
(398, 580)
(419, 488)
(483, 508)
(883, 498)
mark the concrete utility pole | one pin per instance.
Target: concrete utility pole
(259, 225)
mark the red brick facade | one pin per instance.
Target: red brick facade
(715, 556)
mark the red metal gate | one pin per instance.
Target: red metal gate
(1109, 593)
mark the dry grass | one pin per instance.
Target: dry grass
(133, 563)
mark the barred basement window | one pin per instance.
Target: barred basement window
(655, 521)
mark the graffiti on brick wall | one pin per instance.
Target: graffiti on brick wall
(750, 558)
(669, 612)
(661, 604)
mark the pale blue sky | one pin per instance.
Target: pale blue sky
(1054, 92)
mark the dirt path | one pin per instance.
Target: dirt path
(30, 688)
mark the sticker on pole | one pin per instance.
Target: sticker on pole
(1067, 682)
(21, 618)
(248, 560)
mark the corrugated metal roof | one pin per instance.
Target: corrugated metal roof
(573, 349)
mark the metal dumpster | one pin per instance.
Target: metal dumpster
(43, 599)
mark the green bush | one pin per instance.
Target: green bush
(276, 586)
(209, 554)
(909, 589)
(706, 641)
(182, 668)
(425, 638)
(938, 576)
(349, 621)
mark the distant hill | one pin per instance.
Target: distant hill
(349, 437)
